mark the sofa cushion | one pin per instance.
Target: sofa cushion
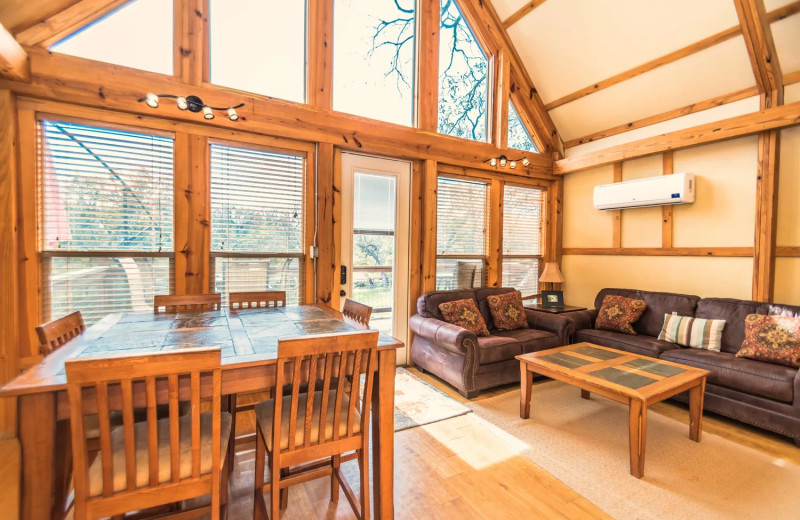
(772, 339)
(492, 349)
(733, 312)
(618, 313)
(482, 294)
(464, 313)
(658, 304)
(693, 332)
(532, 340)
(507, 311)
(746, 375)
(642, 345)
(428, 303)
(776, 309)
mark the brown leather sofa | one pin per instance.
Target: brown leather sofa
(762, 394)
(471, 363)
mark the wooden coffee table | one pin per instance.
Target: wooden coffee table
(638, 381)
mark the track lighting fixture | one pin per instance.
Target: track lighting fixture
(504, 161)
(192, 104)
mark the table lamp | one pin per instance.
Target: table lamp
(552, 275)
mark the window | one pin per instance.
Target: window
(461, 233)
(259, 46)
(119, 37)
(106, 211)
(257, 221)
(463, 77)
(373, 62)
(518, 136)
(523, 208)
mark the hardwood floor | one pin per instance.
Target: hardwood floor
(464, 468)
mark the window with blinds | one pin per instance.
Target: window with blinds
(523, 209)
(257, 221)
(106, 206)
(461, 233)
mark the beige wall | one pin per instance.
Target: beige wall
(722, 216)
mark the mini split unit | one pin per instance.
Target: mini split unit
(678, 188)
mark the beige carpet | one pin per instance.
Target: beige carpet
(584, 443)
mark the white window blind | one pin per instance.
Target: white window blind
(257, 221)
(522, 238)
(461, 233)
(106, 199)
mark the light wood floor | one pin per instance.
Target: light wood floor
(464, 469)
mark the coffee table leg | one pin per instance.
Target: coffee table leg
(696, 396)
(526, 382)
(585, 393)
(638, 433)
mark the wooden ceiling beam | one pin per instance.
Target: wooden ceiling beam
(14, 63)
(18, 15)
(720, 37)
(521, 13)
(776, 117)
(761, 50)
(61, 24)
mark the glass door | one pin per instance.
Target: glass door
(375, 235)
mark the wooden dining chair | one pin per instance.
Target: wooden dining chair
(187, 302)
(257, 299)
(295, 431)
(357, 312)
(144, 465)
(58, 332)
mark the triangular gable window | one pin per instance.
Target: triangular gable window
(136, 35)
(518, 136)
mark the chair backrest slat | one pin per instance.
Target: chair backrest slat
(255, 299)
(186, 302)
(296, 366)
(357, 312)
(353, 398)
(326, 392)
(58, 332)
(310, 394)
(337, 405)
(180, 374)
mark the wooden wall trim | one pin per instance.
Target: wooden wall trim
(666, 211)
(14, 62)
(319, 77)
(328, 260)
(521, 13)
(766, 216)
(554, 227)
(190, 51)
(502, 88)
(74, 80)
(761, 50)
(658, 251)
(787, 251)
(430, 186)
(427, 85)
(495, 243)
(616, 232)
(773, 118)
(666, 116)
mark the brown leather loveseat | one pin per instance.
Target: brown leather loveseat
(763, 394)
(471, 363)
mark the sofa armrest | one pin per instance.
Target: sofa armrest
(797, 393)
(442, 334)
(582, 319)
(555, 323)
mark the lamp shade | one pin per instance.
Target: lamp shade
(551, 273)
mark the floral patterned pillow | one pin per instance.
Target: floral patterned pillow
(465, 314)
(773, 339)
(507, 311)
(617, 313)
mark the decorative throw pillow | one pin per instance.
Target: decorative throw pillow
(465, 314)
(507, 311)
(774, 339)
(617, 313)
(692, 332)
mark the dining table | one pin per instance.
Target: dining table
(248, 339)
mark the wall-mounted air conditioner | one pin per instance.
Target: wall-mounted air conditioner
(678, 188)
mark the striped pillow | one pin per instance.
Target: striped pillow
(692, 332)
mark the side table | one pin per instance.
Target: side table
(554, 310)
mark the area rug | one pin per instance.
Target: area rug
(584, 443)
(417, 403)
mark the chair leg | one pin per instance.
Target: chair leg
(258, 490)
(284, 492)
(335, 462)
(63, 470)
(232, 441)
(363, 466)
(275, 495)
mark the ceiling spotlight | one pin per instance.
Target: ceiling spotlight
(525, 162)
(493, 161)
(208, 113)
(503, 160)
(232, 115)
(151, 100)
(512, 164)
(182, 103)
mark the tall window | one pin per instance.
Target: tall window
(119, 37)
(257, 221)
(259, 46)
(106, 209)
(518, 136)
(461, 233)
(373, 61)
(463, 77)
(523, 210)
